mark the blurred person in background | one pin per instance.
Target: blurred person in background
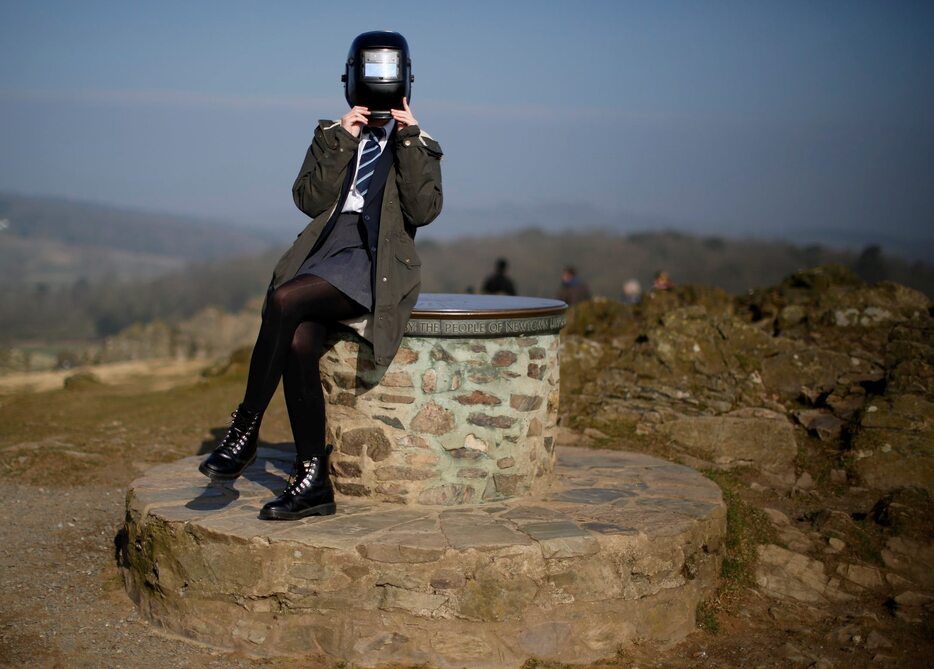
(498, 283)
(573, 289)
(662, 281)
(632, 292)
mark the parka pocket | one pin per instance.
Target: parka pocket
(404, 250)
(406, 271)
(408, 258)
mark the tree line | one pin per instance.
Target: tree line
(94, 308)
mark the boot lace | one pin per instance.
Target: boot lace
(237, 434)
(303, 473)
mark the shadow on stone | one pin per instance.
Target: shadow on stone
(214, 497)
(281, 455)
(366, 375)
(590, 495)
(368, 372)
(121, 541)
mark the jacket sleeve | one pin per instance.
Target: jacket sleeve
(319, 181)
(418, 176)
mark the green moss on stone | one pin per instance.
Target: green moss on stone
(746, 528)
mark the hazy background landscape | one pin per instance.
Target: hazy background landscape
(148, 152)
(75, 271)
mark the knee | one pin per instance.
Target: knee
(307, 341)
(277, 302)
(282, 307)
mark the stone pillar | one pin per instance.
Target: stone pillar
(465, 414)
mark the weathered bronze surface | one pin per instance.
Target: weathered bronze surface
(453, 315)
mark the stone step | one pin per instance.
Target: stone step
(619, 546)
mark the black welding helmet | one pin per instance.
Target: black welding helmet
(378, 73)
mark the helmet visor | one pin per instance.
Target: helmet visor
(381, 65)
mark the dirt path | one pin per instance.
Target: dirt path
(63, 603)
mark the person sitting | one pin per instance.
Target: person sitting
(368, 181)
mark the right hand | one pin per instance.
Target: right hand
(354, 120)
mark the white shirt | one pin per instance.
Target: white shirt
(354, 201)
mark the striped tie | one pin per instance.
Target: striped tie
(368, 160)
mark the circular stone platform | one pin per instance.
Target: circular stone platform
(620, 546)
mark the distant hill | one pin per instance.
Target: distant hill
(606, 260)
(93, 308)
(58, 241)
(484, 220)
(560, 218)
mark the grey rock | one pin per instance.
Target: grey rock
(766, 443)
(786, 574)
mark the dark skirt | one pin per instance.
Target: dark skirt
(343, 260)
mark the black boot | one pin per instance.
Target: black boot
(309, 492)
(237, 451)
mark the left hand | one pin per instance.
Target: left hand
(403, 116)
(355, 119)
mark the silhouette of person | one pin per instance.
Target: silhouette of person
(870, 266)
(498, 283)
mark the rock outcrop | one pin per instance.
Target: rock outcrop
(818, 393)
(724, 382)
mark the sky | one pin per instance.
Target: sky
(750, 118)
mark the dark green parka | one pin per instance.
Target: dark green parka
(412, 198)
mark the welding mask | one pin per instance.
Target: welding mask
(378, 73)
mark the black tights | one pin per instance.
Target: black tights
(290, 343)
